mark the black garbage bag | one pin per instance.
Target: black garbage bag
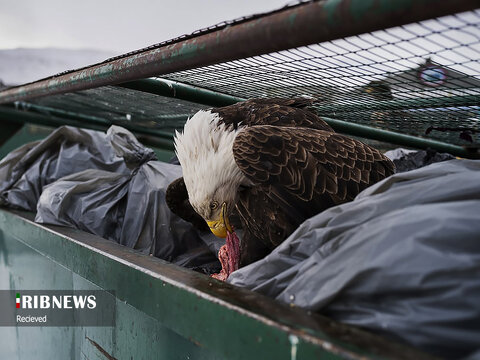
(129, 209)
(108, 185)
(67, 150)
(406, 160)
(402, 259)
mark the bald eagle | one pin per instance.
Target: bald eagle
(265, 166)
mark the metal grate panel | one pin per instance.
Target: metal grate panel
(421, 79)
(117, 105)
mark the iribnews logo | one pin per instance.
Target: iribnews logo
(55, 301)
(22, 307)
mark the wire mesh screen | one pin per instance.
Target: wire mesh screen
(422, 79)
(118, 105)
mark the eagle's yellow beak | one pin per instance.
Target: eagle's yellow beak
(221, 226)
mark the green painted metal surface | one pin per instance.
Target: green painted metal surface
(178, 90)
(7, 130)
(419, 103)
(136, 335)
(368, 132)
(161, 143)
(27, 133)
(163, 311)
(55, 117)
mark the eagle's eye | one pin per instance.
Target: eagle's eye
(213, 205)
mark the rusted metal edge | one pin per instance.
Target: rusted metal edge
(301, 25)
(308, 327)
(183, 37)
(196, 33)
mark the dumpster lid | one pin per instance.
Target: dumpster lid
(412, 69)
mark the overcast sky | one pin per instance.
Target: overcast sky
(117, 26)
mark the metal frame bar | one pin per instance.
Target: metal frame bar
(418, 103)
(184, 301)
(181, 91)
(91, 118)
(58, 117)
(400, 139)
(292, 27)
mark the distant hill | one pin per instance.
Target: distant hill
(18, 66)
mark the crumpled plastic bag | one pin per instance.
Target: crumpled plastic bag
(402, 259)
(67, 150)
(129, 209)
(105, 184)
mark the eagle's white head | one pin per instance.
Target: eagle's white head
(210, 173)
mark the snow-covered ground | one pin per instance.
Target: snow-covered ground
(18, 66)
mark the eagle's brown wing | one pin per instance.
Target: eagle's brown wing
(276, 112)
(302, 171)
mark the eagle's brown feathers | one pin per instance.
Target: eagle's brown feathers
(304, 171)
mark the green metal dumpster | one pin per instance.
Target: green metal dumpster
(391, 72)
